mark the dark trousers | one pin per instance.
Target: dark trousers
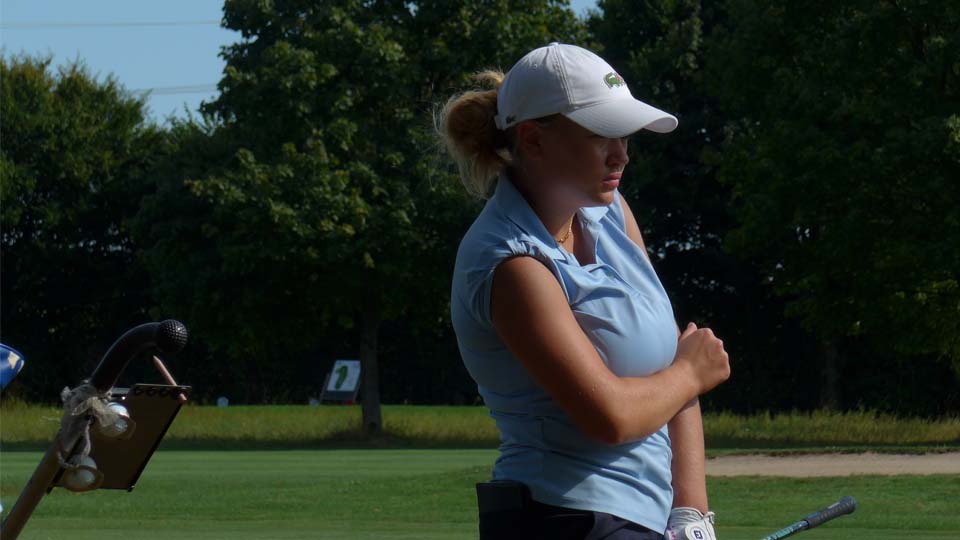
(508, 513)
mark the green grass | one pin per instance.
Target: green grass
(269, 494)
(265, 427)
(425, 494)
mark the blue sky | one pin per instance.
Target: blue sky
(170, 48)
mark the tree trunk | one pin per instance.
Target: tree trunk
(372, 421)
(830, 385)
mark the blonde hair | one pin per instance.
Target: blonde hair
(466, 127)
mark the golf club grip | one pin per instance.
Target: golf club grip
(169, 336)
(844, 506)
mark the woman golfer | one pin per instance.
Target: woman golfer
(561, 319)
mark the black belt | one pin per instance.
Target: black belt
(502, 495)
(508, 512)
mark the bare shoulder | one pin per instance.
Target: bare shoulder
(525, 290)
(524, 270)
(633, 229)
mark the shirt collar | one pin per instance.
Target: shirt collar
(518, 210)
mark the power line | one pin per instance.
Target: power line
(102, 24)
(172, 90)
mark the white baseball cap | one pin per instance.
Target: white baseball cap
(578, 84)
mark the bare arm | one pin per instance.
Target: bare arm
(686, 428)
(531, 315)
(688, 465)
(633, 229)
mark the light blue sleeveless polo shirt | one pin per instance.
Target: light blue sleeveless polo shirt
(624, 310)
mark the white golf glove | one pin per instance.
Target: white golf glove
(689, 524)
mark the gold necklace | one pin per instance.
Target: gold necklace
(564, 239)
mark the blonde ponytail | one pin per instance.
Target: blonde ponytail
(467, 129)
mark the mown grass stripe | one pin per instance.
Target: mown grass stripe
(390, 494)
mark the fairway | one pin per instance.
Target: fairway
(424, 494)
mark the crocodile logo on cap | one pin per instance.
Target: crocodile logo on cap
(613, 79)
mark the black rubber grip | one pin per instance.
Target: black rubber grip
(169, 336)
(842, 507)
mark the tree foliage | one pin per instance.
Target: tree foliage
(843, 163)
(73, 154)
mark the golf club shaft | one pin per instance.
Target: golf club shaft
(42, 477)
(787, 531)
(842, 507)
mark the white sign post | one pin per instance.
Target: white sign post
(343, 381)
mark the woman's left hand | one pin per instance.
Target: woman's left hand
(689, 524)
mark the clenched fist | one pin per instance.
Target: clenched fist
(702, 352)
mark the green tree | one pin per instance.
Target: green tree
(73, 154)
(843, 162)
(327, 202)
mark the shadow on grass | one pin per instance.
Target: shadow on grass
(356, 439)
(340, 440)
